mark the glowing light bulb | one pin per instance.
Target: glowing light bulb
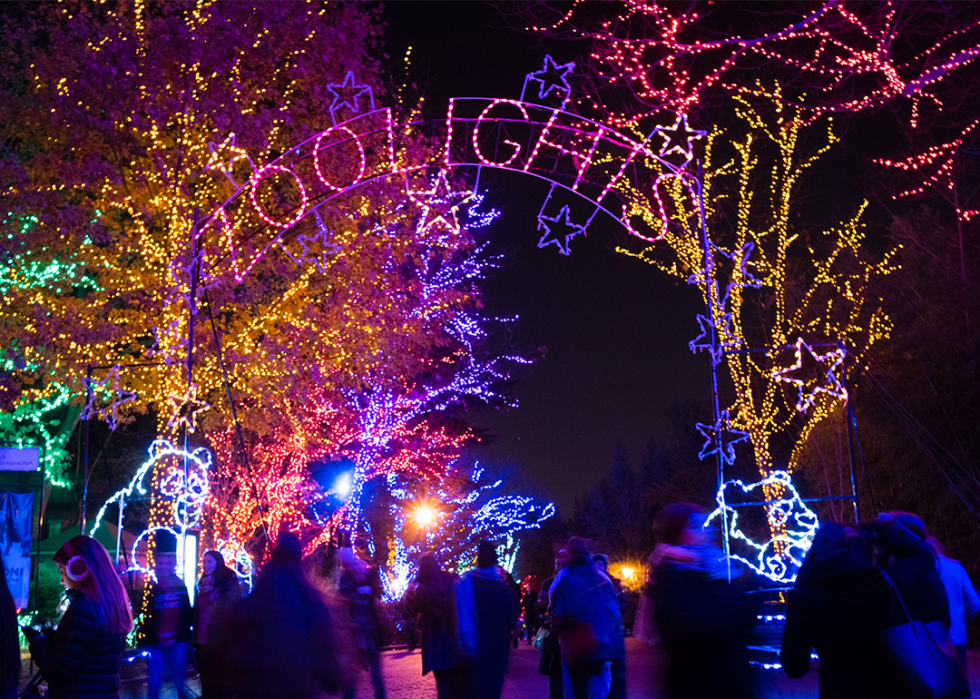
(424, 516)
(342, 485)
(628, 572)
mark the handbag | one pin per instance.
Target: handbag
(923, 657)
(540, 637)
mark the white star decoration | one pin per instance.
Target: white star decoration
(826, 381)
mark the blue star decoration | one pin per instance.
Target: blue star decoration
(740, 271)
(722, 330)
(105, 410)
(552, 77)
(317, 248)
(717, 441)
(814, 374)
(346, 94)
(558, 230)
(677, 138)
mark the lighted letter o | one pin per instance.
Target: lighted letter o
(257, 180)
(316, 158)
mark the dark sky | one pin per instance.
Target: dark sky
(613, 331)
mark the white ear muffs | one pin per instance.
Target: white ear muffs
(74, 574)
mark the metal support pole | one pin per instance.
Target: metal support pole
(85, 442)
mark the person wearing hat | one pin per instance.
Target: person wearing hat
(486, 615)
(82, 657)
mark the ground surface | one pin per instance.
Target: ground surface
(404, 680)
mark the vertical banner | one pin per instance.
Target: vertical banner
(16, 510)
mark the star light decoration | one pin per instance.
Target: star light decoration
(553, 226)
(95, 408)
(827, 381)
(316, 248)
(677, 138)
(780, 557)
(225, 155)
(715, 441)
(439, 205)
(553, 77)
(184, 409)
(347, 94)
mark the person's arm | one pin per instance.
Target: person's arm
(971, 600)
(795, 653)
(62, 656)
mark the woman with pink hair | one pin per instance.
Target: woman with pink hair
(82, 658)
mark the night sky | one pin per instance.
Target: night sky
(610, 333)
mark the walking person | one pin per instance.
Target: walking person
(358, 587)
(486, 613)
(550, 664)
(282, 641)
(82, 657)
(217, 590)
(9, 641)
(585, 614)
(703, 620)
(961, 595)
(434, 598)
(167, 623)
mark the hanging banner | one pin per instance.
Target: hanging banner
(15, 543)
(25, 459)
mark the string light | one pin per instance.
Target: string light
(779, 557)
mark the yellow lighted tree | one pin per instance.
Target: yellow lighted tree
(786, 299)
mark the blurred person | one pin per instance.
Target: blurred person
(434, 598)
(961, 595)
(912, 565)
(840, 604)
(486, 615)
(550, 664)
(529, 606)
(217, 590)
(82, 657)
(515, 590)
(167, 621)
(586, 617)
(617, 666)
(357, 586)
(9, 641)
(282, 641)
(702, 619)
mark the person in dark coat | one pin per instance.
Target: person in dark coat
(550, 664)
(532, 617)
(81, 658)
(217, 590)
(487, 614)
(167, 626)
(911, 563)
(839, 605)
(359, 588)
(703, 620)
(434, 598)
(585, 613)
(9, 642)
(283, 640)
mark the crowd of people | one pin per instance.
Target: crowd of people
(290, 639)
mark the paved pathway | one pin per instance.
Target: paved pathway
(644, 665)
